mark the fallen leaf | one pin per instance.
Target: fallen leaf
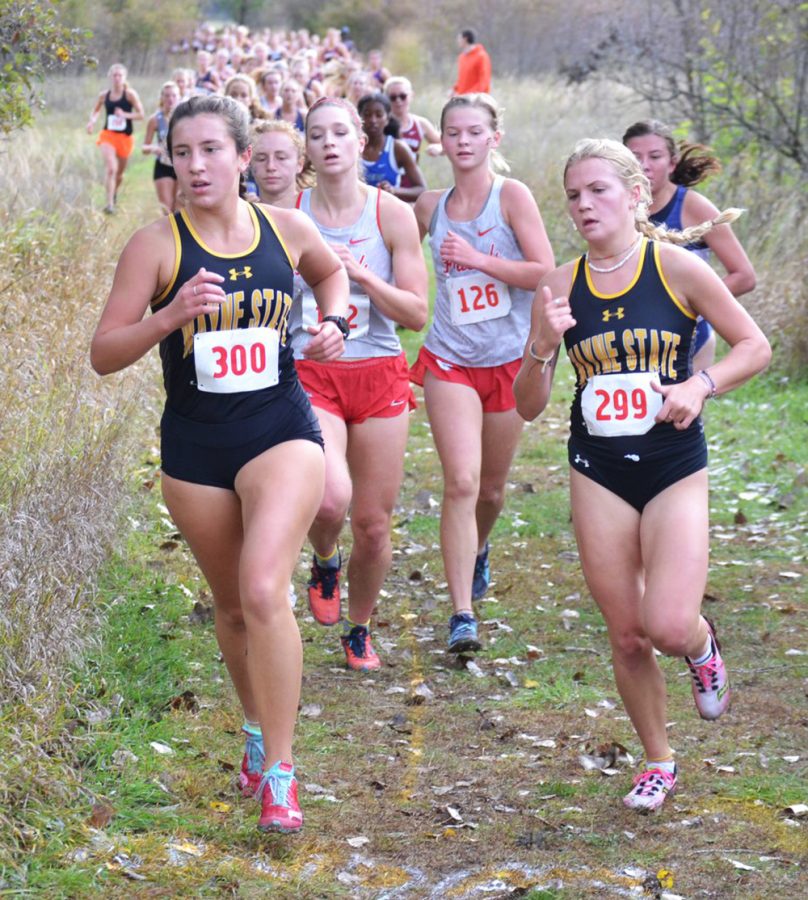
(162, 749)
(358, 841)
(101, 815)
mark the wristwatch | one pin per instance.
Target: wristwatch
(341, 322)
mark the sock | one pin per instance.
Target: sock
(667, 765)
(708, 652)
(253, 729)
(332, 561)
(348, 624)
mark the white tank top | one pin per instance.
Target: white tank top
(478, 320)
(373, 334)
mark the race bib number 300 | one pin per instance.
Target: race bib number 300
(242, 359)
(620, 405)
(477, 298)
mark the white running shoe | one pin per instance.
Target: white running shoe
(651, 788)
(710, 681)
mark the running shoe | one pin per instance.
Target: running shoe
(651, 788)
(252, 766)
(482, 574)
(710, 680)
(277, 791)
(463, 633)
(324, 595)
(359, 652)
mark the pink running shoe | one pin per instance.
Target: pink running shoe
(277, 792)
(650, 790)
(359, 653)
(710, 681)
(252, 765)
(324, 593)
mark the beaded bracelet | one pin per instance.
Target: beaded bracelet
(544, 361)
(707, 379)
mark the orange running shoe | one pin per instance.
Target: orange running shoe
(277, 792)
(359, 652)
(324, 595)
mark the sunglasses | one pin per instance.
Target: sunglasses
(394, 97)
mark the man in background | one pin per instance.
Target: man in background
(473, 66)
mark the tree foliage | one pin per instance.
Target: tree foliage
(33, 41)
(738, 70)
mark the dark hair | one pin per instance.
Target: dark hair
(377, 97)
(692, 162)
(233, 114)
(468, 35)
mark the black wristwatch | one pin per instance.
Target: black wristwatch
(341, 322)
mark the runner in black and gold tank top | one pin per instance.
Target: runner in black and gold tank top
(626, 312)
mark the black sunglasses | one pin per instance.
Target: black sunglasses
(394, 97)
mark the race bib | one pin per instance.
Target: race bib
(358, 313)
(477, 298)
(116, 123)
(620, 405)
(242, 359)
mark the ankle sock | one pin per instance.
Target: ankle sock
(253, 729)
(348, 624)
(332, 561)
(708, 652)
(666, 765)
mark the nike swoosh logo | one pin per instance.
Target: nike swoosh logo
(397, 402)
(353, 241)
(484, 233)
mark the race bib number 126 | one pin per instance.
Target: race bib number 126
(620, 405)
(477, 298)
(242, 359)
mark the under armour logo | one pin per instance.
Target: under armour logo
(246, 272)
(616, 314)
(580, 461)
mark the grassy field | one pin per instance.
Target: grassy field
(119, 743)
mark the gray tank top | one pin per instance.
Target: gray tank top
(372, 333)
(478, 320)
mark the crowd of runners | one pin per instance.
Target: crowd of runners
(289, 258)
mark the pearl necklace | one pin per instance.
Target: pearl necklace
(631, 251)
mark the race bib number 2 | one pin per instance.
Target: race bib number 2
(358, 317)
(620, 405)
(242, 359)
(477, 298)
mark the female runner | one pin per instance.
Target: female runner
(122, 106)
(626, 312)
(386, 159)
(412, 129)
(279, 164)
(490, 249)
(363, 400)
(165, 179)
(672, 170)
(242, 459)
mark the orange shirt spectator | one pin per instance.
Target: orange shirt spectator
(473, 66)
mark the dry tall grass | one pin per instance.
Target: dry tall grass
(65, 436)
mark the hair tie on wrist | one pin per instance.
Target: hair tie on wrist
(544, 361)
(707, 379)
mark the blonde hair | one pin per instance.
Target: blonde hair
(398, 80)
(487, 104)
(305, 178)
(123, 69)
(629, 171)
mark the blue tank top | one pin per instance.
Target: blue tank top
(671, 217)
(384, 168)
(642, 329)
(258, 284)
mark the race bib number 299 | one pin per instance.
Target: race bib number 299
(242, 359)
(620, 405)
